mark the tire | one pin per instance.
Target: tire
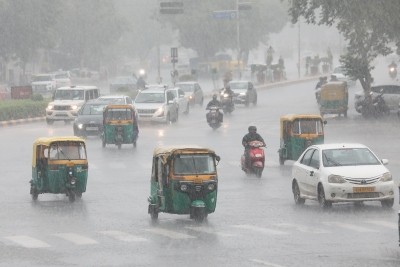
(168, 119)
(187, 109)
(323, 203)
(281, 160)
(387, 203)
(78, 194)
(255, 101)
(119, 145)
(246, 103)
(153, 213)
(296, 194)
(71, 196)
(258, 172)
(34, 194)
(199, 215)
(49, 122)
(103, 142)
(134, 144)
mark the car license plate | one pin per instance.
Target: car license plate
(363, 189)
(92, 128)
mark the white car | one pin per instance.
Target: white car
(62, 78)
(390, 93)
(182, 99)
(155, 105)
(332, 173)
(44, 83)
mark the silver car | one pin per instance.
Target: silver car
(245, 92)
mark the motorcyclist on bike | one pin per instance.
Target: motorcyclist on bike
(215, 103)
(252, 135)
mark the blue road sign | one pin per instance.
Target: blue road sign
(225, 14)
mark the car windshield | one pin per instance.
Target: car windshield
(96, 109)
(42, 78)
(150, 97)
(348, 157)
(69, 94)
(238, 86)
(307, 126)
(67, 150)
(187, 88)
(194, 164)
(62, 75)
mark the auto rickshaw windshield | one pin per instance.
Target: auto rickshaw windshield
(119, 114)
(307, 126)
(194, 164)
(67, 150)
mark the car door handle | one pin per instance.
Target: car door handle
(311, 173)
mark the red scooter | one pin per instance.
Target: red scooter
(257, 159)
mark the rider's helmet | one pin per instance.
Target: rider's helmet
(214, 96)
(252, 129)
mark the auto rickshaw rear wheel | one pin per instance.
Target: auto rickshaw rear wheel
(281, 160)
(103, 141)
(258, 172)
(34, 193)
(78, 194)
(119, 145)
(153, 213)
(71, 195)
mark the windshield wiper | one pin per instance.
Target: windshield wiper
(335, 163)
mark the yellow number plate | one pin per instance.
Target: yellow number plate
(363, 189)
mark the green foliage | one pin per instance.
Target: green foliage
(367, 25)
(37, 97)
(22, 109)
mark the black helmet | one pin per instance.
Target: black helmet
(214, 96)
(252, 129)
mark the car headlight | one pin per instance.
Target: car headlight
(336, 179)
(159, 111)
(225, 95)
(386, 177)
(74, 107)
(50, 107)
(242, 94)
(80, 126)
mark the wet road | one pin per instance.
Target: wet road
(256, 222)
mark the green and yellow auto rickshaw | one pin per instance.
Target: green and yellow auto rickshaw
(334, 98)
(184, 180)
(59, 166)
(297, 133)
(119, 125)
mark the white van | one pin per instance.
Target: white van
(67, 101)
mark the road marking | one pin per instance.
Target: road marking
(390, 225)
(265, 263)
(208, 231)
(170, 234)
(302, 228)
(260, 229)
(123, 236)
(28, 242)
(350, 227)
(76, 239)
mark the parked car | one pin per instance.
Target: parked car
(391, 95)
(245, 92)
(193, 92)
(181, 99)
(44, 84)
(63, 78)
(90, 119)
(156, 105)
(331, 173)
(123, 84)
(338, 72)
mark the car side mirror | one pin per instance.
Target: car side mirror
(385, 161)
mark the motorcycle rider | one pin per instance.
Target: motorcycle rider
(228, 90)
(252, 135)
(215, 103)
(141, 83)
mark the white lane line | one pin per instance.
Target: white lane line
(208, 231)
(27, 242)
(76, 239)
(352, 227)
(265, 263)
(390, 225)
(302, 228)
(170, 234)
(123, 236)
(261, 229)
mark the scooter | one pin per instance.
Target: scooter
(227, 102)
(214, 117)
(257, 159)
(377, 108)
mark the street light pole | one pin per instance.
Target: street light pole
(299, 57)
(238, 37)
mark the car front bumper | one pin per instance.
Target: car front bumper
(353, 193)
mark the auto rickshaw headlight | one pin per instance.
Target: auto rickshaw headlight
(73, 181)
(211, 187)
(184, 187)
(336, 179)
(386, 177)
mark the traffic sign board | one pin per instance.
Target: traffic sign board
(225, 14)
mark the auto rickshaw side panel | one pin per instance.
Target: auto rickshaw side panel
(298, 144)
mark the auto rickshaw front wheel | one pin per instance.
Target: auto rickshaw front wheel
(34, 193)
(153, 212)
(71, 195)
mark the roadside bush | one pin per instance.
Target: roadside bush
(37, 97)
(22, 109)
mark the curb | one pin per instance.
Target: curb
(21, 121)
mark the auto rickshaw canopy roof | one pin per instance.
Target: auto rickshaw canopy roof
(167, 151)
(48, 140)
(333, 90)
(292, 117)
(120, 106)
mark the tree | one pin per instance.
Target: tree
(206, 35)
(367, 25)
